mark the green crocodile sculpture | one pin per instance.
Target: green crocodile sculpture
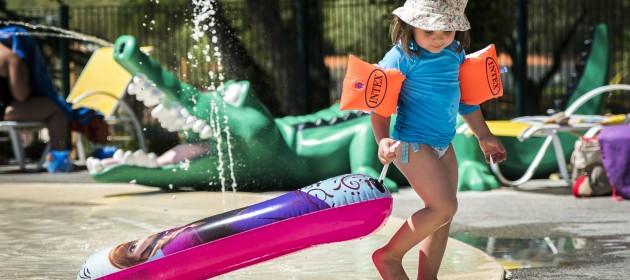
(232, 140)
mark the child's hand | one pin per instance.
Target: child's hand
(492, 147)
(385, 154)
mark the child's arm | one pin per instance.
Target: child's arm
(489, 144)
(380, 126)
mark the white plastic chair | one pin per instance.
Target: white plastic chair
(101, 86)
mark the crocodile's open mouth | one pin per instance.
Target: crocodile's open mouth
(172, 116)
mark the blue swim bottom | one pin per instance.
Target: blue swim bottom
(404, 157)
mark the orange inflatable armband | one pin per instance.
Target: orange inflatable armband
(480, 77)
(369, 87)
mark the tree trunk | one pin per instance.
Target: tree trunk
(279, 42)
(319, 76)
(238, 64)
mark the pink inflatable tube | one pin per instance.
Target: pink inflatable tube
(338, 209)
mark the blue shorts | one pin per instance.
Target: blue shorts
(404, 157)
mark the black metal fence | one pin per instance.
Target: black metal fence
(361, 27)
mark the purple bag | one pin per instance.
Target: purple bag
(615, 145)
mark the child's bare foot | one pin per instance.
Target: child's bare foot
(389, 267)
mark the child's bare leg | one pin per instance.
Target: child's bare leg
(430, 179)
(37, 108)
(433, 247)
(431, 252)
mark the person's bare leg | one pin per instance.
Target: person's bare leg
(430, 180)
(431, 253)
(39, 108)
(433, 247)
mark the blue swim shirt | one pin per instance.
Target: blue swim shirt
(429, 97)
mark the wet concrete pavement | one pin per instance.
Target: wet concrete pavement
(52, 223)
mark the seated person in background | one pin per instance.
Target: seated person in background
(27, 92)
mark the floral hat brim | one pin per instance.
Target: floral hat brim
(435, 15)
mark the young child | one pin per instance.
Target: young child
(429, 38)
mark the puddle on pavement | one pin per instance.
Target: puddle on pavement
(522, 253)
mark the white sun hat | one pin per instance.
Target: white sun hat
(435, 15)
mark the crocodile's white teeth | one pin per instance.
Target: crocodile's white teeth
(172, 127)
(136, 85)
(206, 132)
(174, 117)
(178, 121)
(137, 158)
(133, 88)
(233, 93)
(118, 155)
(186, 126)
(128, 158)
(157, 111)
(93, 165)
(198, 125)
(190, 120)
(151, 102)
(88, 162)
(140, 158)
(165, 122)
(97, 166)
(153, 97)
(152, 160)
(184, 112)
(174, 109)
(145, 90)
(141, 91)
(139, 78)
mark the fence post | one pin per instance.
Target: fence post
(303, 87)
(520, 65)
(64, 52)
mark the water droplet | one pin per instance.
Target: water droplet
(185, 165)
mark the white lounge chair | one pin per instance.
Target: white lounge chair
(524, 128)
